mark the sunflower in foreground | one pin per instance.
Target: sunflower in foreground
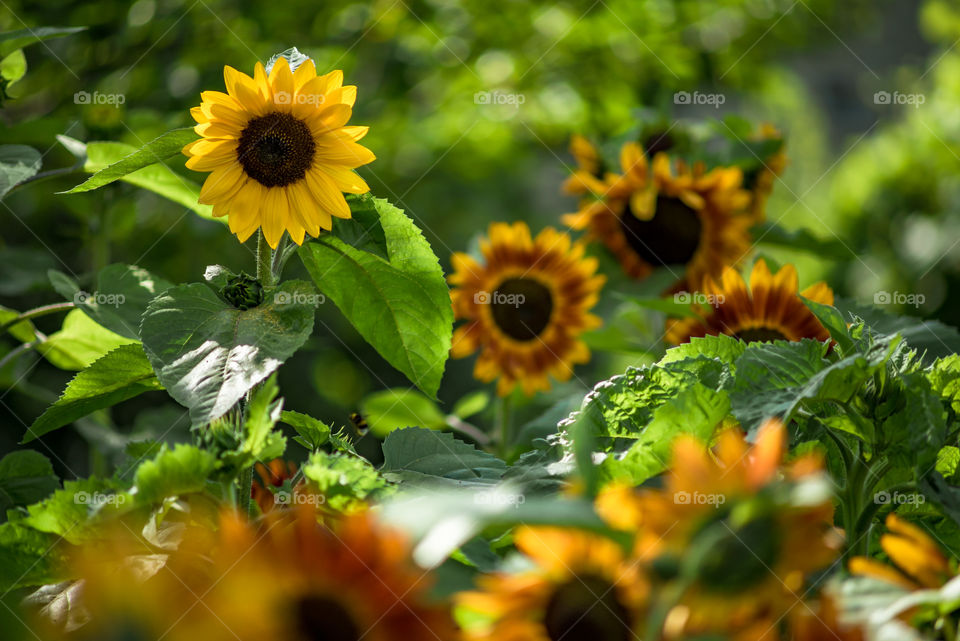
(525, 306)
(279, 151)
(582, 588)
(917, 561)
(686, 219)
(769, 309)
(735, 515)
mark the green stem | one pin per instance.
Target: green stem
(244, 490)
(34, 313)
(502, 425)
(264, 261)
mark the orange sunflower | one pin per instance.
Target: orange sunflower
(525, 306)
(769, 309)
(270, 476)
(279, 151)
(582, 588)
(588, 177)
(733, 510)
(688, 219)
(917, 561)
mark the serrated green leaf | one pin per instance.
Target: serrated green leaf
(182, 470)
(17, 163)
(401, 307)
(29, 557)
(119, 375)
(80, 342)
(395, 409)
(724, 348)
(944, 377)
(25, 477)
(363, 229)
(424, 456)
(931, 338)
(10, 40)
(75, 511)
(209, 354)
(832, 319)
(314, 432)
(948, 462)
(346, 481)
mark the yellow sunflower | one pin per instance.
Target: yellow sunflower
(684, 218)
(279, 151)
(918, 562)
(582, 588)
(769, 309)
(762, 546)
(588, 177)
(525, 306)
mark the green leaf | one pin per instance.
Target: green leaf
(696, 411)
(182, 470)
(401, 307)
(427, 457)
(472, 403)
(260, 441)
(933, 339)
(24, 331)
(75, 512)
(13, 67)
(120, 375)
(944, 377)
(17, 163)
(346, 481)
(770, 233)
(948, 462)
(394, 409)
(724, 348)
(831, 318)
(156, 177)
(209, 354)
(363, 229)
(80, 342)
(25, 477)
(312, 433)
(10, 40)
(122, 294)
(29, 557)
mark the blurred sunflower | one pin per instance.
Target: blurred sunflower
(651, 217)
(741, 521)
(525, 306)
(588, 177)
(918, 562)
(769, 309)
(582, 588)
(821, 622)
(279, 150)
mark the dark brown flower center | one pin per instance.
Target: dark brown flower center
(276, 149)
(586, 609)
(671, 237)
(319, 618)
(755, 334)
(521, 308)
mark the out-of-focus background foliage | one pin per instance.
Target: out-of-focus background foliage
(881, 180)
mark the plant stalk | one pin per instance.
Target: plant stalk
(264, 261)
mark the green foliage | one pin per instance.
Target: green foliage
(417, 456)
(77, 511)
(80, 342)
(25, 477)
(346, 481)
(17, 163)
(29, 557)
(401, 306)
(173, 472)
(394, 409)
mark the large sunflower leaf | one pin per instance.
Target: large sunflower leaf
(25, 477)
(209, 354)
(120, 375)
(172, 472)
(401, 306)
(423, 456)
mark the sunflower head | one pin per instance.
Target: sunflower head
(525, 306)
(770, 308)
(917, 560)
(278, 149)
(581, 588)
(667, 214)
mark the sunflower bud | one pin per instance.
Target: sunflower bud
(243, 292)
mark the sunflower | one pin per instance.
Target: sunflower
(588, 178)
(270, 476)
(734, 513)
(279, 151)
(525, 306)
(675, 216)
(770, 309)
(918, 562)
(582, 588)
(821, 622)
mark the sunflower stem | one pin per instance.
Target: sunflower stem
(264, 261)
(502, 425)
(36, 312)
(244, 491)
